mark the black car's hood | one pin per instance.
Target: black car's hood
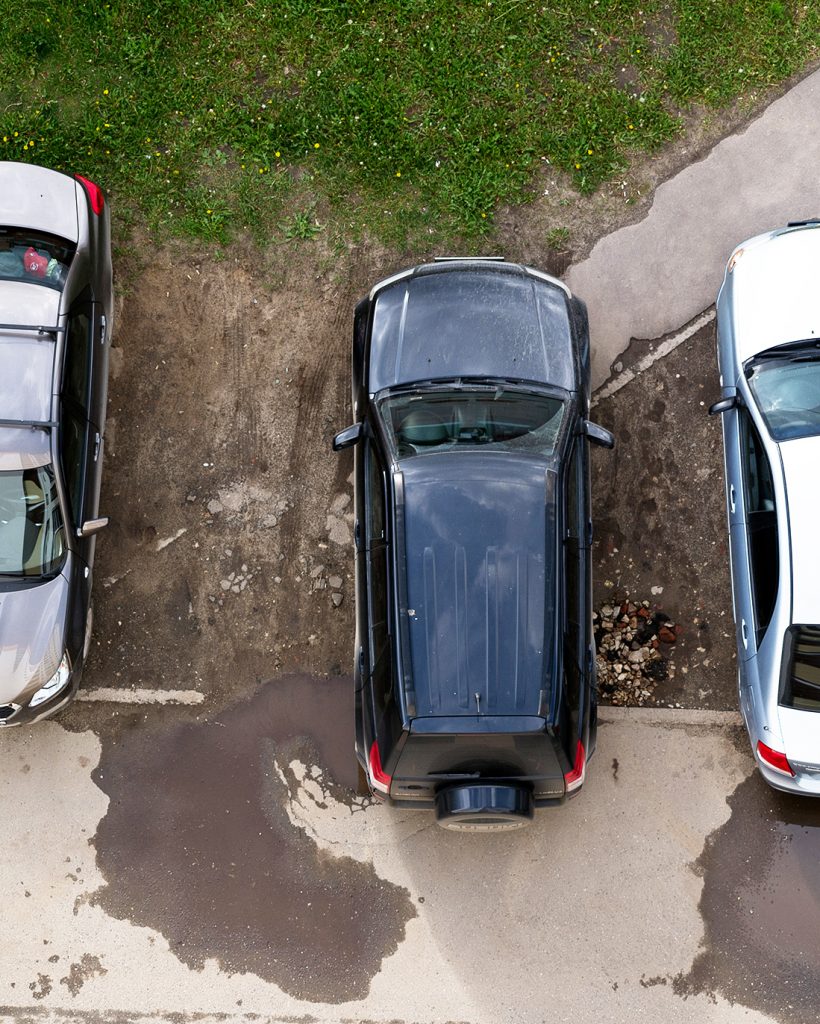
(32, 629)
(494, 321)
(479, 542)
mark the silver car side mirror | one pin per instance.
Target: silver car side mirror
(724, 405)
(92, 526)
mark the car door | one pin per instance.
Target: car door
(753, 539)
(81, 442)
(732, 421)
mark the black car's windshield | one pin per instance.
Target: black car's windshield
(786, 386)
(32, 541)
(448, 418)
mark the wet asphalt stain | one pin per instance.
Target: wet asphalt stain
(761, 906)
(197, 844)
(79, 973)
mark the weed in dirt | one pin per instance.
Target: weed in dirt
(409, 119)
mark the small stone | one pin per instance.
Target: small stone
(190, 497)
(336, 582)
(243, 584)
(229, 552)
(231, 576)
(214, 506)
(244, 567)
(277, 579)
(336, 598)
(316, 572)
(235, 588)
(225, 584)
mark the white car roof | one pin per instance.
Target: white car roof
(800, 459)
(775, 288)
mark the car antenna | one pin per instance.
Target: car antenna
(478, 703)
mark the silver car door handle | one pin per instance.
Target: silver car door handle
(744, 633)
(96, 447)
(732, 497)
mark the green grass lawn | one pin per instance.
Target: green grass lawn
(390, 116)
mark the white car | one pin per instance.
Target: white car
(769, 358)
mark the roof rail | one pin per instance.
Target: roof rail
(31, 328)
(468, 259)
(34, 424)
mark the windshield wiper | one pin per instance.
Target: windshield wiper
(809, 348)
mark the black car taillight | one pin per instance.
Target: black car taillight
(379, 779)
(94, 192)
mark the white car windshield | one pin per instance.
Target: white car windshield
(786, 386)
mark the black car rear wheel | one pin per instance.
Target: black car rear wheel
(482, 807)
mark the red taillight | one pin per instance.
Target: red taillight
(95, 194)
(378, 778)
(774, 759)
(574, 778)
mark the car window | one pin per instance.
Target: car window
(32, 538)
(77, 376)
(761, 523)
(35, 257)
(374, 489)
(786, 387)
(802, 678)
(498, 418)
(573, 583)
(73, 446)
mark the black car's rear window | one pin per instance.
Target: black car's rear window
(34, 256)
(801, 669)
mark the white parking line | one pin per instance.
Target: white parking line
(662, 350)
(141, 696)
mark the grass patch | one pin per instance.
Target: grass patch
(412, 119)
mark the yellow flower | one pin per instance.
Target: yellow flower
(589, 152)
(577, 167)
(105, 92)
(398, 174)
(278, 154)
(484, 216)
(316, 145)
(209, 211)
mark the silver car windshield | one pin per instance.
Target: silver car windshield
(786, 386)
(499, 418)
(32, 538)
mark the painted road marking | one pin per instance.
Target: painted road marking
(662, 350)
(141, 696)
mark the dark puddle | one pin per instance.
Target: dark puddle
(761, 906)
(197, 845)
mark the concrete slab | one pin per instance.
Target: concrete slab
(586, 916)
(648, 279)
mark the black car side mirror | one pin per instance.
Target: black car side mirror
(597, 434)
(724, 405)
(348, 437)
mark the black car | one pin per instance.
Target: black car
(474, 657)
(56, 317)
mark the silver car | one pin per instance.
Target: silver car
(55, 328)
(768, 314)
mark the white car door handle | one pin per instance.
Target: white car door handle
(732, 497)
(744, 633)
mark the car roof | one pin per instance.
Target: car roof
(478, 546)
(469, 318)
(800, 458)
(772, 288)
(27, 357)
(40, 199)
